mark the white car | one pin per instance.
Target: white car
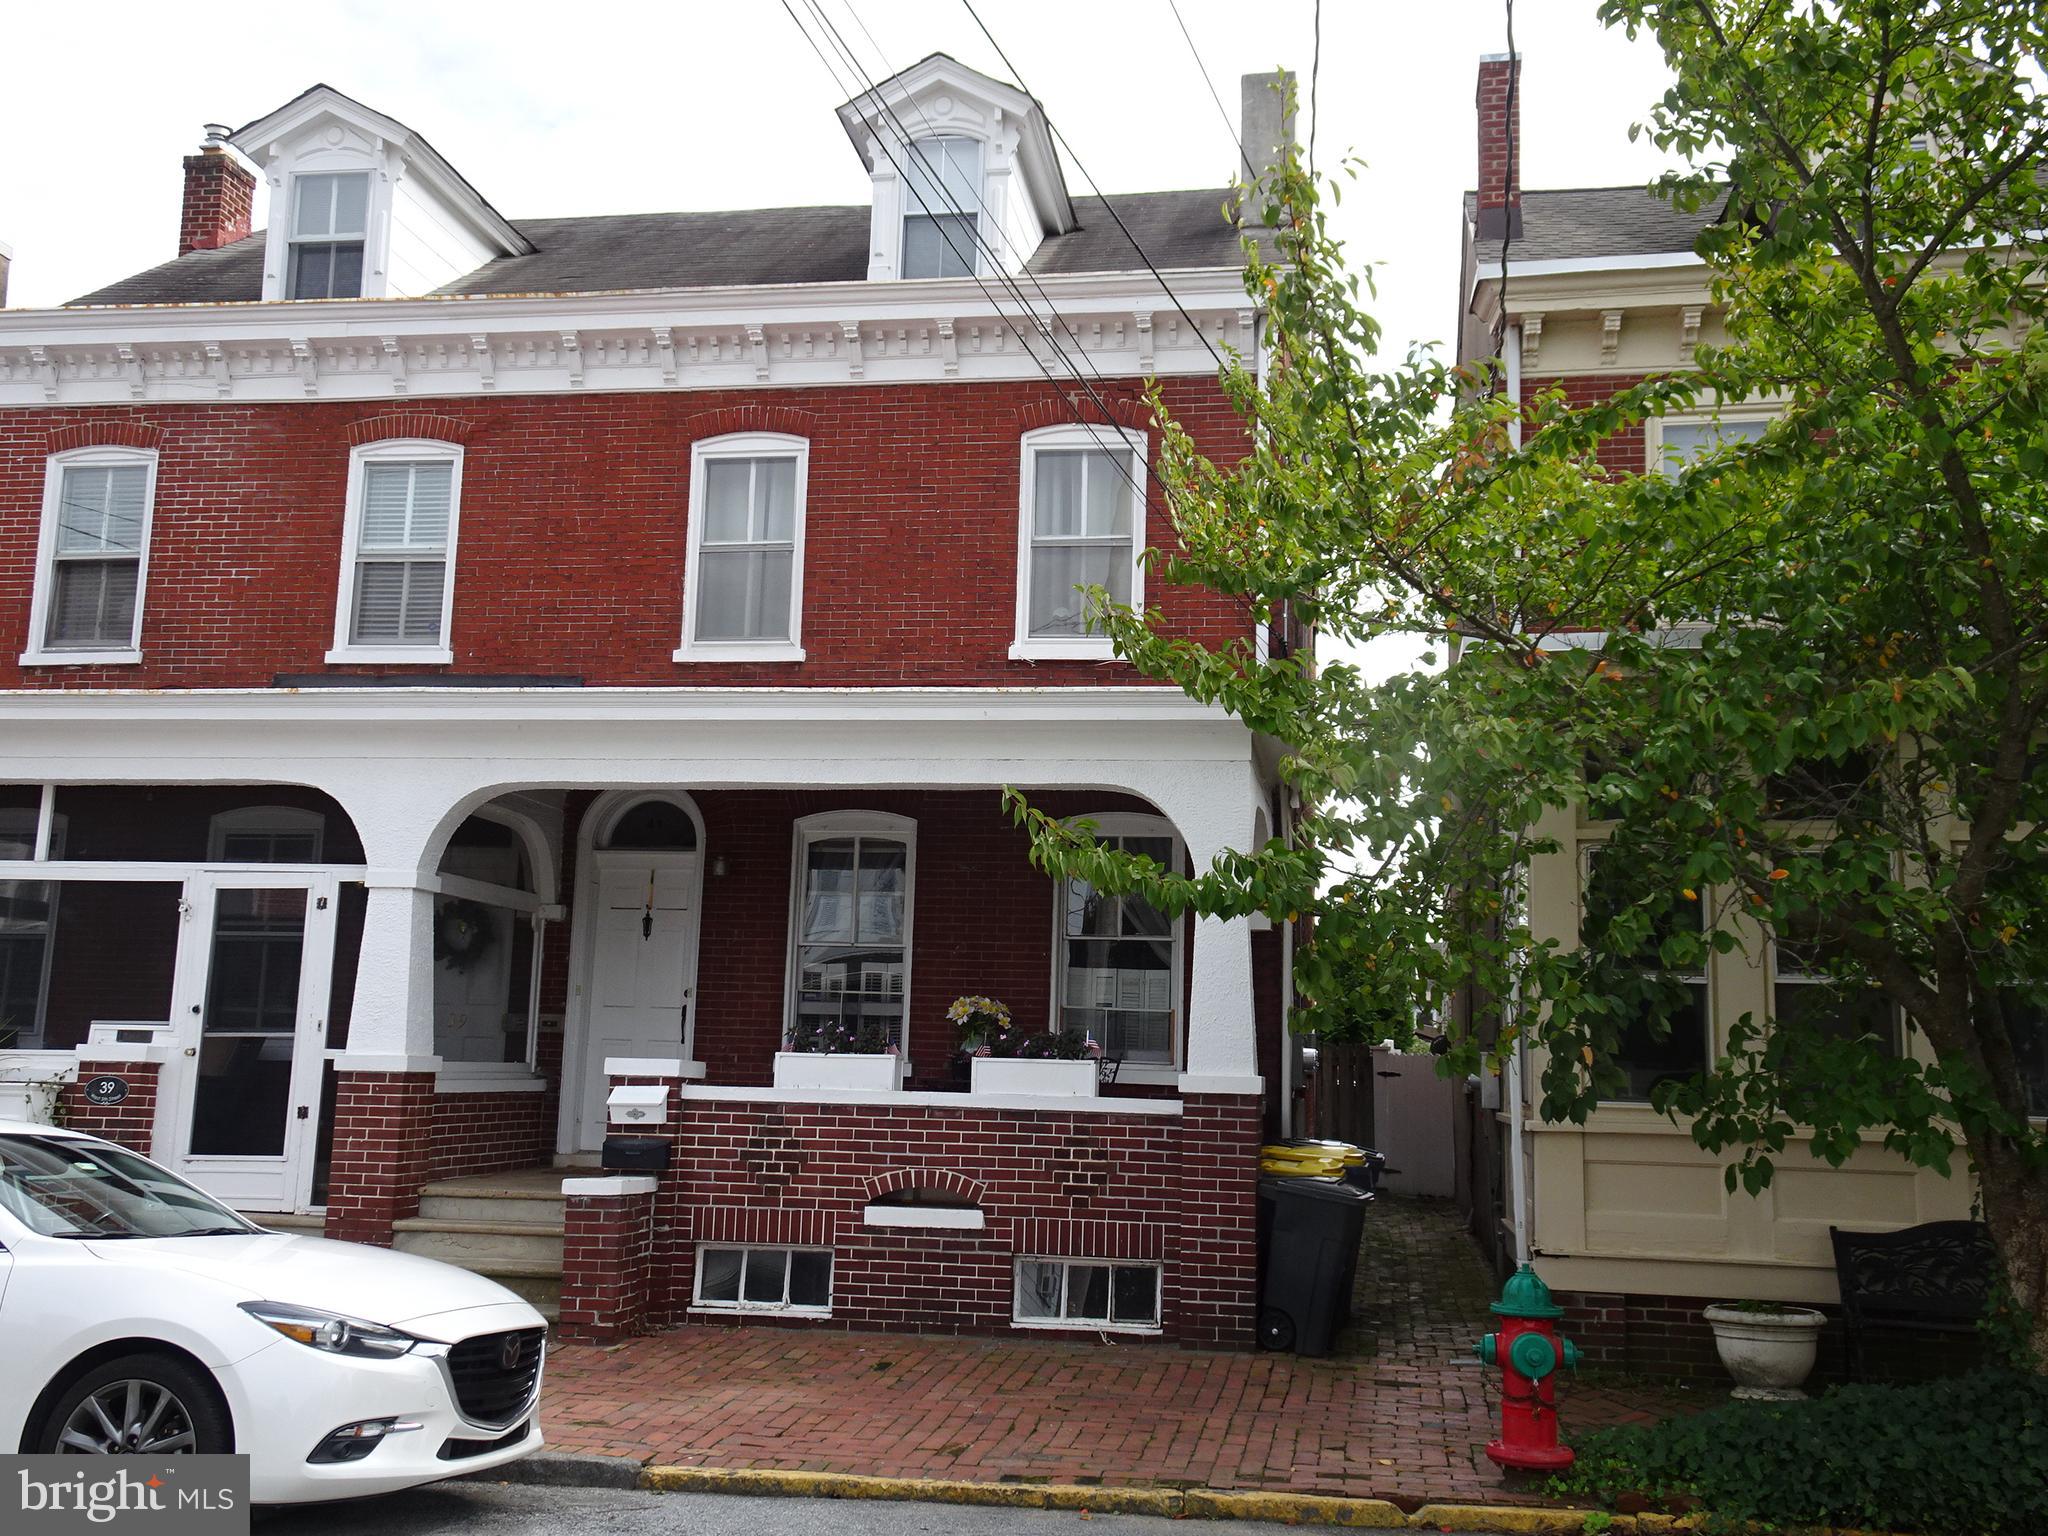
(140, 1315)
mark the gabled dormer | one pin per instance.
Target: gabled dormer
(363, 207)
(963, 170)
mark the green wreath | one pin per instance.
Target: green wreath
(463, 933)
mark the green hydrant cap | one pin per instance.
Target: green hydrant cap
(1525, 1295)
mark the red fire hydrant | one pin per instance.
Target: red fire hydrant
(1529, 1351)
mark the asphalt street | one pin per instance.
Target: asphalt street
(494, 1509)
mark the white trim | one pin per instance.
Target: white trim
(1200, 1082)
(366, 1061)
(1489, 271)
(651, 1066)
(958, 1218)
(1131, 824)
(1037, 1103)
(471, 1077)
(1024, 645)
(405, 450)
(38, 652)
(855, 824)
(600, 1188)
(744, 445)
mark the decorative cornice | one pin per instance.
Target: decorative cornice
(867, 332)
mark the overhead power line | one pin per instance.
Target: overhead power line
(1250, 174)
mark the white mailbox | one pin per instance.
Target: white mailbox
(638, 1104)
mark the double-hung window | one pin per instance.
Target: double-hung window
(1083, 526)
(850, 962)
(95, 546)
(942, 199)
(1682, 439)
(1808, 987)
(1669, 1035)
(1118, 958)
(743, 584)
(398, 564)
(330, 224)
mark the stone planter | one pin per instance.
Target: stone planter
(1015, 1074)
(813, 1069)
(1768, 1353)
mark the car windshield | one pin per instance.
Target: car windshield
(59, 1187)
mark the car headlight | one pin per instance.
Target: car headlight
(330, 1331)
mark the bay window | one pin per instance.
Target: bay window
(1807, 986)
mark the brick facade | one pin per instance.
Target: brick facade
(472, 1133)
(1063, 1183)
(130, 1123)
(573, 527)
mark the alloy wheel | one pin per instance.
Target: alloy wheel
(129, 1418)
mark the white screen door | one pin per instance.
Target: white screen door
(250, 1020)
(642, 959)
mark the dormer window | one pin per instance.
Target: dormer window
(330, 223)
(942, 210)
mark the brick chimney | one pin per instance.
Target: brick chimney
(220, 196)
(1499, 111)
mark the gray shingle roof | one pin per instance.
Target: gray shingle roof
(754, 246)
(1575, 222)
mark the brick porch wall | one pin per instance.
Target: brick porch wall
(1050, 1183)
(471, 1133)
(130, 1123)
(382, 1136)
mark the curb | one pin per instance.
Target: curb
(563, 1469)
(1169, 1503)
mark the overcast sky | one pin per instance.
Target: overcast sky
(606, 107)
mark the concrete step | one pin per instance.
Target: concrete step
(469, 1206)
(475, 1244)
(288, 1221)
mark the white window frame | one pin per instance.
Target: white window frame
(29, 824)
(913, 207)
(745, 445)
(770, 1308)
(823, 827)
(1129, 824)
(290, 820)
(405, 450)
(1025, 646)
(39, 653)
(1590, 849)
(1653, 434)
(1067, 1324)
(293, 240)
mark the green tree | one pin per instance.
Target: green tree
(1805, 672)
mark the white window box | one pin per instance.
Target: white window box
(814, 1069)
(988, 1075)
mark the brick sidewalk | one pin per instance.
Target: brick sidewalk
(1402, 1412)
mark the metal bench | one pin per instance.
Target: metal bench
(1933, 1278)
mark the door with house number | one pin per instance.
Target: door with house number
(249, 1020)
(642, 962)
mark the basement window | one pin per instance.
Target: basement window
(1075, 1293)
(731, 1279)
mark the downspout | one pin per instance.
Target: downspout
(1518, 1167)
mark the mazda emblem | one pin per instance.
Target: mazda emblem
(508, 1352)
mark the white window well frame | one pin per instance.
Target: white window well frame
(824, 827)
(1067, 1263)
(39, 652)
(744, 445)
(408, 450)
(1130, 824)
(784, 1308)
(1024, 645)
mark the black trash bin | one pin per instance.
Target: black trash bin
(1309, 1231)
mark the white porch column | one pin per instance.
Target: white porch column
(391, 1028)
(1219, 811)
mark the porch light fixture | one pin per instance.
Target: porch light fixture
(718, 866)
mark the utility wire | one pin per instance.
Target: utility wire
(1120, 458)
(1107, 205)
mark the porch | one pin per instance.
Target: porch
(264, 989)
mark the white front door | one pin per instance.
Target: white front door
(249, 1020)
(643, 957)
